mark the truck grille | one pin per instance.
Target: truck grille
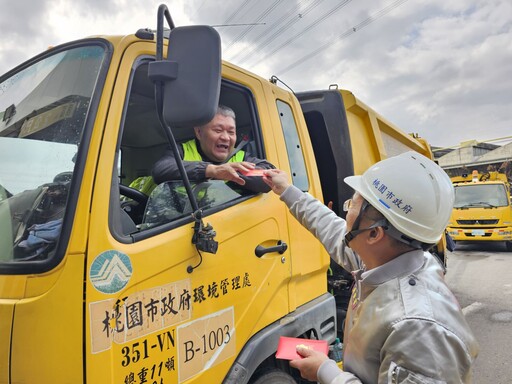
(477, 222)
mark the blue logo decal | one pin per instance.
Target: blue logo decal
(110, 271)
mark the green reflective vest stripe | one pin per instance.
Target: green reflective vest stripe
(190, 153)
(144, 184)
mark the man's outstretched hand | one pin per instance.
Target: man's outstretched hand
(277, 180)
(229, 171)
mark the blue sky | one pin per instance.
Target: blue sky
(438, 68)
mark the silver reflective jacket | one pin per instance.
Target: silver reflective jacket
(403, 323)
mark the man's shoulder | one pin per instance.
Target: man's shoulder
(425, 295)
(418, 292)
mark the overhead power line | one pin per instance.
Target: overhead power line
(258, 19)
(308, 28)
(289, 19)
(235, 25)
(384, 11)
(198, 9)
(236, 12)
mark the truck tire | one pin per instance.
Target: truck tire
(273, 376)
(509, 245)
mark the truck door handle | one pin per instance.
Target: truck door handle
(281, 247)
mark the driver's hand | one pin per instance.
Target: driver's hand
(229, 171)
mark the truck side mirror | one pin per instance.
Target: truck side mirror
(190, 76)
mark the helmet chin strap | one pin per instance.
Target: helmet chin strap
(355, 228)
(397, 235)
(353, 233)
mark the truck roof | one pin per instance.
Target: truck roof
(475, 177)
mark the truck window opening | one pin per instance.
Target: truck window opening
(143, 142)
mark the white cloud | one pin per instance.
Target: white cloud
(438, 68)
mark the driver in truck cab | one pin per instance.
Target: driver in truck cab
(403, 323)
(212, 155)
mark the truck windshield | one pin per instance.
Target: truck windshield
(43, 109)
(479, 195)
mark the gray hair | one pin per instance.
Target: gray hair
(226, 111)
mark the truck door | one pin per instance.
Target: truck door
(157, 309)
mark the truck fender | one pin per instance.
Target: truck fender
(318, 315)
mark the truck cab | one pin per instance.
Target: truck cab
(482, 210)
(103, 283)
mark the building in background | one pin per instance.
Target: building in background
(472, 155)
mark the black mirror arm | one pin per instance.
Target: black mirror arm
(157, 73)
(160, 71)
(163, 72)
(205, 74)
(162, 11)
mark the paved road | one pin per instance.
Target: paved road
(480, 276)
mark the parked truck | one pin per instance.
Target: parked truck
(482, 209)
(195, 283)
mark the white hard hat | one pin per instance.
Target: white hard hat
(412, 192)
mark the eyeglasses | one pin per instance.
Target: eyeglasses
(346, 205)
(350, 235)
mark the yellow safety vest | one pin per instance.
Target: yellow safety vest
(145, 184)
(190, 153)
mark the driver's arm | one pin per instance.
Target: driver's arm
(258, 163)
(166, 168)
(256, 184)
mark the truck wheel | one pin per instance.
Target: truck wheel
(273, 376)
(509, 245)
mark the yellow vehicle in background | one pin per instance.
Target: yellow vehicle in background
(482, 209)
(190, 283)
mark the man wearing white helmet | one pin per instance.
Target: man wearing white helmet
(403, 324)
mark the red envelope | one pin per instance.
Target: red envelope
(254, 172)
(287, 347)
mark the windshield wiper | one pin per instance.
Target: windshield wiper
(478, 204)
(9, 112)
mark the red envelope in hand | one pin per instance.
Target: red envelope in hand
(287, 347)
(253, 172)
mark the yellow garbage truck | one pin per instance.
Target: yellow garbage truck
(482, 209)
(184, 282)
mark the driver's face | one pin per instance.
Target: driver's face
(217, 138)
